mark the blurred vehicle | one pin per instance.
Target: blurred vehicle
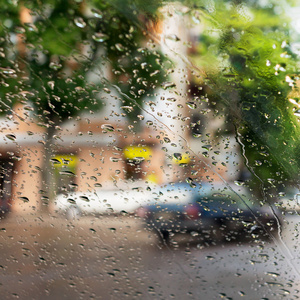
(214, 210)
(106, 200)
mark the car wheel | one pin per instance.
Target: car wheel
(73, 213)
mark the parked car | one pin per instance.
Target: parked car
(220, 210)
(108, 199)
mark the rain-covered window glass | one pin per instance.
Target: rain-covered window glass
(149, 149)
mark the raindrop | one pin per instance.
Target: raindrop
(190, 181)
(71, 201)
(55, 161)
(79, 22)
(69, 173)
(297, 113)
(171, 99)
(7, 71)
(167, 140)
(51, 84)
(172, 37)
(178, 156)
(273, 274)
(84, 198)
(115, 159)
(139, 159)
(167, 85)
(55, 66)
(20, 30)
(191, 105)
(128, 108)
(144, 65)
(239, 182)
(30, 27)
(154, 73)
(209, 257)
(149, 123)
(107, 127)
(120, 47)
(207, 147)
(97, 13)
(11, 137)
(100, 37)
(24, 199)
(274, 283)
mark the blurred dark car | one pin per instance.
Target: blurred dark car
(215, 211)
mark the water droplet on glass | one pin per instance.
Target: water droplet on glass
(115, 159)
(55, 66)
(71, 201)
(149, 123)
(100, 37)
(154, 73)
(11, 137)
(55, 161)
(239, 182)
(51, 84)
(172, 37)
(273, 274)
(167, 85)
(297, 113)
(69, 173)
(20, 30)
(7, 71)
(209, 257)
(190, 181)
(79, 22)
(84, 198)
(24, 199)
(97, 13)
(120, 47)
(171, 99)
(127, 108)
(107, 127)
(31, 27)
(191, 105)
(207, 147)
(177, 156)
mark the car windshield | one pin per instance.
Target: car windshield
(149, 149)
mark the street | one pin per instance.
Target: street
(113, 257)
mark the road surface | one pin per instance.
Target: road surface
(47, 257)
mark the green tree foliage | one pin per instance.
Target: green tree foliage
(253, 74)
(59, 55)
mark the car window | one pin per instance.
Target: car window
(149, 149)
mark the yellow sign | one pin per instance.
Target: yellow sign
(182, 159)
(136, 152)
